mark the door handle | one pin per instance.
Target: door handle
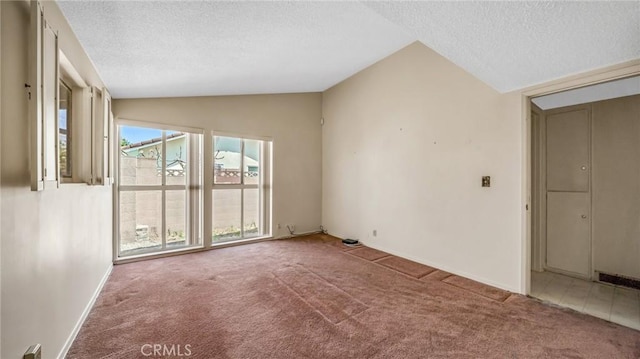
(584, 168)
(584, 216)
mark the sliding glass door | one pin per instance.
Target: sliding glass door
(159, 190)
(241, 188)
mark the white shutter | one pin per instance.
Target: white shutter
(101, 129)
(50, 88)
(35, 98)
(107, 127)
(96, 136)
(43, 101)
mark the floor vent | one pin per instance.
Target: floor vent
(618, 280)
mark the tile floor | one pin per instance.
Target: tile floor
(613, 303)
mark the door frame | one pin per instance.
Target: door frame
(609, 73)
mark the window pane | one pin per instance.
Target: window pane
(64, 129)
(226, 165)
(176, 218)
(140, 156)
(251, 213)
(252, 161)
(176, 158)
(140, 221)
(226, 214)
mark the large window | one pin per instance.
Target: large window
(241, 184)
(159, 190)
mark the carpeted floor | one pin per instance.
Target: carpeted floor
(313, 298)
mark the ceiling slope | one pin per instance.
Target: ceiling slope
(197, 48)
(512, 45)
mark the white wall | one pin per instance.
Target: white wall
(405, 144)
(1, 183)
(291, 120)
(56, 245)
(603, 91)
(616, 186)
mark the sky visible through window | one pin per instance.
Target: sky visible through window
(134, 135)
(62, 117)
(138, 134)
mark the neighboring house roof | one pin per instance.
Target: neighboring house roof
(232, 159)
(150, 142)
(228, 159)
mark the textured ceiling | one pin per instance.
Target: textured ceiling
(512, 45)
(194, 48)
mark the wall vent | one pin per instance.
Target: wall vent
(619, 280)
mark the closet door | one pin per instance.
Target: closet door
(568, 232)
(568, 191)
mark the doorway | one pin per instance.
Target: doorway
(586, 200)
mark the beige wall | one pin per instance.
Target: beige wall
(616, 186)
(1, 235)
(405, 144)
(291, 120)
(56, 244)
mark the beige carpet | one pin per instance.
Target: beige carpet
(310, 298)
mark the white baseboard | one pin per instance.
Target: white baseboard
(299, 235)
(85, 313)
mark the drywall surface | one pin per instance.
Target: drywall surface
(616, 186)
(0, 184)
(56, 244)
(603, 91)
(292, 121)
(405, 144)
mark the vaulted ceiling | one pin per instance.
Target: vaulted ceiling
(197, 48)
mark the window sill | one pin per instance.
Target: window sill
(154, 255)
(241, 242)
(73, 184)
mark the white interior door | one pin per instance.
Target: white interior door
(568, 232)
(568, 151)
(568, 212)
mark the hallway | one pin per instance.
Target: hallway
(613, 303)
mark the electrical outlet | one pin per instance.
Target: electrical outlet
(279, 226)
(486, 181)
(375, 232)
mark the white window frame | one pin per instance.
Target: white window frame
(79, 89)
(192, 187)
(264, 186)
